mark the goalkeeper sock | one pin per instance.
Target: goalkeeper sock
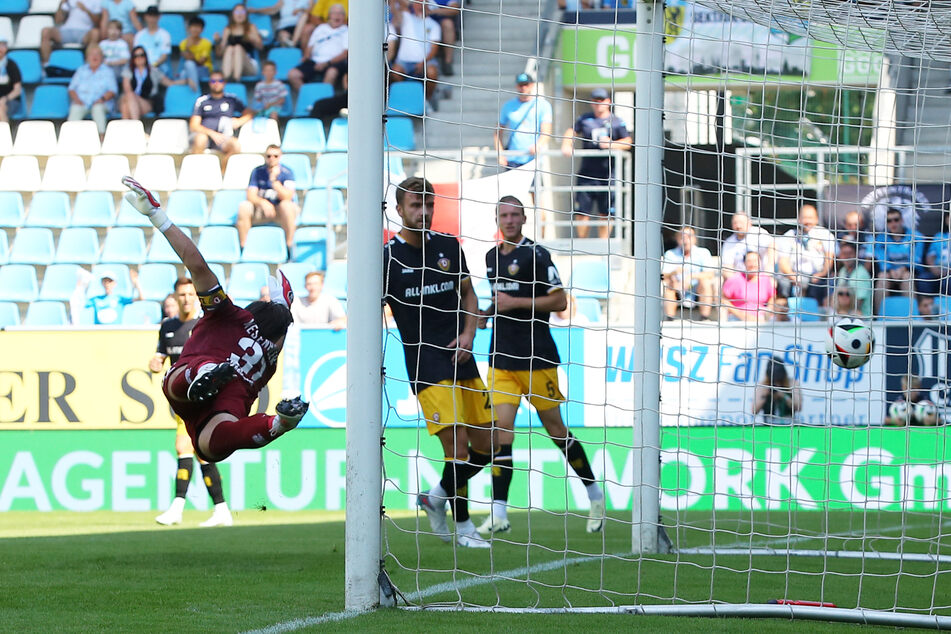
(456, 487)
(245, 433)
(212, 478)
(501, 478)
(577, 458)
(183, 476)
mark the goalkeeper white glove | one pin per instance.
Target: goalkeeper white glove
(143, 201)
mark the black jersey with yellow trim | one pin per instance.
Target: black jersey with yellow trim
(422, 287)
(521, 339)
(173, 333)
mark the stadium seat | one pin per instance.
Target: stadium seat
(943, 305)
(590, 278)
(215, 22)
(20, 174)
(124, 136)
(335, 282)
(13, 7)
(50, 102)
(304, 135)
(179, 6)
(129, 217)
(64, 173)
(299, 164)
(123, 284)
(78, 137)
(46, 313)
(265, 27)
(142, 312)
(179, 102)
(296, 272)
(4, 247)
(257, 134)
(174, 23)
(28, 61)
(406, 98)
(6, 139)
(331, 170)
(48, 209)
(106, 172)
(30, 29)
(311, 246)
(219, 244)
(36, 137)
(59, 282)
(93, 209)
(399, 134)
(11, 210)
(68, 58)
(157, 172)
(6, 29)
(32, 245)
(187, 208)
(44, 6)
(18, 283)
(200, 171)
(157, 279)
(285, 59)
(265, 244)
(805, 309)
(219, 271)
(322, 207)
(394, 165)
(124, 245)
(9, 314)
(161, 252)
(590, 308)
(898, 307)
(224, 207)
(246, 281)
(337, 137)
(169, 136)
(238, 173)
(237, 89)
(308, 94)
(217, 5)
(77, 245)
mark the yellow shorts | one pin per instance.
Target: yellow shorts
(447, 403)
(539, 386)
(180, 426)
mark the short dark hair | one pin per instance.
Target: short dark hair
(196, 20)
(268, 62)
(776, 373)
(182, 281)
(508, 199)
(272, 319)
(414, 185)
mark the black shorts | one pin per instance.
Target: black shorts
(312, 75)
(586, 200)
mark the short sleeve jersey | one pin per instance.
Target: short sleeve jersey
(173, 333)
(521, 339)
(524, 120)
(216, 112)
(262, 180)
(592, 130)
(422, 287)
(108, 308)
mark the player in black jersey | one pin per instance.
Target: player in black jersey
(173, 333)
(427, 286)
(526, 289)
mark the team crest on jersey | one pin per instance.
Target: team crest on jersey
(436, 417)
(513, 267)
(443, 263)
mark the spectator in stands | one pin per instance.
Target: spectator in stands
(448, 15)
(107, 308)
(169, 307)
(237, 45)
(854, 225)
(778, 395)
(124, 12)
(290, 14)
(599, 129)
(749, 296)
(141, 86)
(418, 37)
(898, 256)
(78, 22)
(271, 193)
(844, 303)
(155, 40)
(319, 14)
(318, 308)
(215, 118)
(11, 85)
(92, 90)
(805, 257)
(854, 277)
(329, 108)
(937, 258)
(327, 51)
(269, 93)
(927, 309)
(745, 237)
(115, 50)
(196, 54)
(524, 124)
(688, 276)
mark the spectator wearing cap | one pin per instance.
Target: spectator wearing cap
(155, 40)
(76, 21)
(108, 306)
(11, 86)
(524, 122)
(599, 129)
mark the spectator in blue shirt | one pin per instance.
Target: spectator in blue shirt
(107, 308)
(271, 193)
(92, 89)
(524, 122)
(938, 259)
(155, 40)
(898, 256)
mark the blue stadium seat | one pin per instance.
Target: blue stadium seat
(121, 271)
(399, 134)
(187, 208)
(299, 164)
(246, 281)
(160, 251)
(898, 307)
(304, 135)
(590, 278)
(11, 210)
(331, 170)
(311, 246)
(219, 244)
(4, 248)
(406, 98)
(142, 312)
(309, 93)
(48, 209)
(238, 90)
(224, 207)
(59, 282)
(217, 5)
(77, 245)
(9, 314)
(265, 244)
(285, 59)
(44, 313)
(943, 305)
(265, 27)
(157, 279)
(804, 309)
(68, 58)
(28, 61)
(295, 273)
(394, 166)
(338, 135)
(174, 23)
(259, 4)
(323, 207)
(93, 209)
(124, 245)
(179, 101)
(14, 7)
(18, 283)
(129, 217)
(50, 102)
(215, 22)
(219, 271)
(32, 245)
(590, 308)
(335, 282)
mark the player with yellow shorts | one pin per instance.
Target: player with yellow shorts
(524, 360)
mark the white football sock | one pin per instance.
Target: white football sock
(594, 491)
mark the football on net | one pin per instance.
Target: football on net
(850, 343)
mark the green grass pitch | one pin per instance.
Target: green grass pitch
(120, 572)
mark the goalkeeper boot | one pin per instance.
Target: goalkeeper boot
(494, 524)
(211, 378)
(221, 516)
(470, 538)
(435, 509)
(291, 410)
(596, 516)
(174, 513)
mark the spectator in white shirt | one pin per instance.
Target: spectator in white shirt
(318, 308)
(78, 21)
(688, 276)
(155, 40)
(745, 237)
(419, 38)
(806, 254)
(325, 57)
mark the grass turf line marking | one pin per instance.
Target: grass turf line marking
(297, 624)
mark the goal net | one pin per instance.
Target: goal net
(716, 183)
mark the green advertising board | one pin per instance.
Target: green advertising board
(703, 468)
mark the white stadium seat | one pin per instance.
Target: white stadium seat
(19, 173)
(6, 139)
(29, 30)
(106, 172)
(179, 6)
(64, 173)
(256, 140)
(169, 136)
(239, 169)
(35, 137)
(78, 137)
(156, 171)
(200, 171)
(44, 6)
(6, 29)
(124, 136)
